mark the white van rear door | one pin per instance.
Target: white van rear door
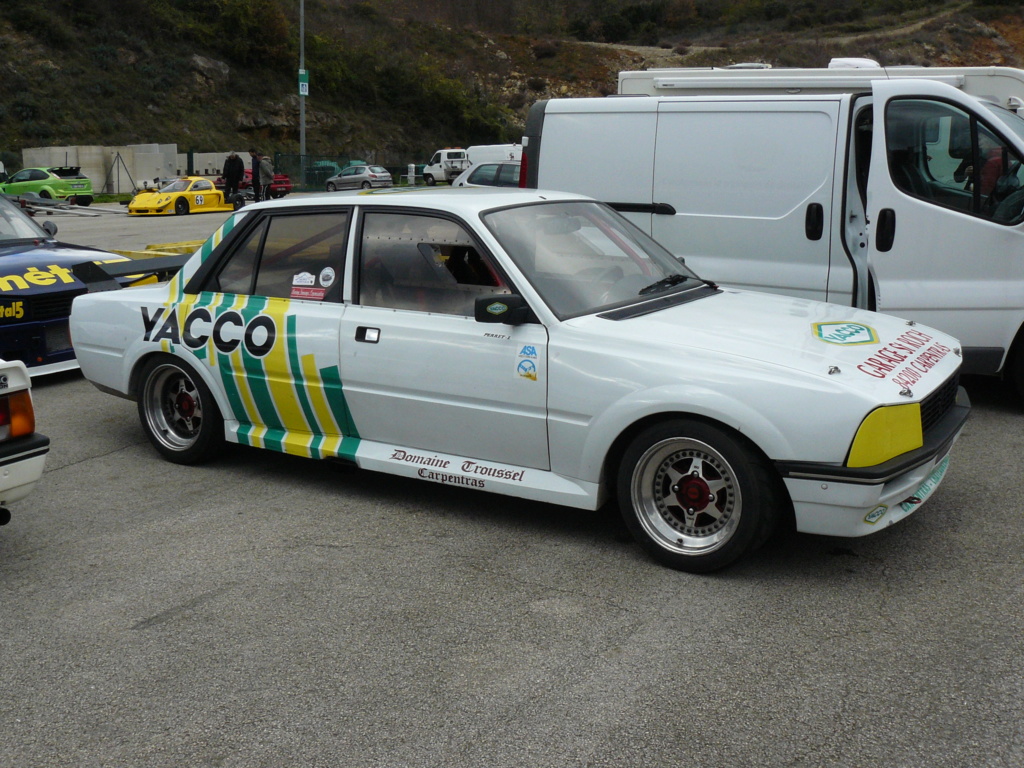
(603, 148)
(946, 244)
(751, 181)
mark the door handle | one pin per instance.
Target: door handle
(814, 221)
(367, 335)
(885, 231)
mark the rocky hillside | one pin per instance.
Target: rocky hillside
(390, 82)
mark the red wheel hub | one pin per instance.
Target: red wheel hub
(693, 493)
(185, 405)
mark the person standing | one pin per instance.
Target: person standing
(234, 170)
(266, 177)
(255, 155)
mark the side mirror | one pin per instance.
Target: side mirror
(508, 309)
(50, 227)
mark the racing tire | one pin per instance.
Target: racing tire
(237, 201)
(83, 200)
(365, 185)
(429, 180)
(181, 207)
(695, 497)
(178, 412)
(331, 187)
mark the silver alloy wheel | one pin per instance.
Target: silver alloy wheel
(686, 496)
(172, 407)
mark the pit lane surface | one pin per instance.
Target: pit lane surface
(266, 610)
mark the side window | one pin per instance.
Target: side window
(202, 186)
(940, 153)
(423, 263)
(289, 257)
(484, 175)
(508, 176)
(37, 175)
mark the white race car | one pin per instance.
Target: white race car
(534, 344)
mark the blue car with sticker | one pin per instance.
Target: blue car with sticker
(37, 288)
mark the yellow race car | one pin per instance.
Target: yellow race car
(190, 194)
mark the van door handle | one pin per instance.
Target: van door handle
(885, 231)
(814, 221)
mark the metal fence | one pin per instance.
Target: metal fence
(309, 173)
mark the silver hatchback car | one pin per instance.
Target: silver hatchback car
(360, 177)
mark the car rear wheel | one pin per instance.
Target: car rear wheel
(365, 185)
(83, 200)
(694, 496)
(178, 412)
(181, 206)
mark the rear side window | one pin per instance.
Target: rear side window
(288, 257)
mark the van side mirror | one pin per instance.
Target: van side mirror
(507, 308)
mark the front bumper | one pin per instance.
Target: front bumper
(840, 501)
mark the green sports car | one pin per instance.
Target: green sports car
(59, 183)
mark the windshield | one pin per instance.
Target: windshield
(15, 225)
(1011, 118)
(178, 185)
(582, 257)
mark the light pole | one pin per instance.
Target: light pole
(303, 82)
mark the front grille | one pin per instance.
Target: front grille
(939, 402)
(50, 305)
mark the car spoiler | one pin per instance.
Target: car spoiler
(105, 277)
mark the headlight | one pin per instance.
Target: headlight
(886, 433)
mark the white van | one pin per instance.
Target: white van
(760, 184)
(494, 153)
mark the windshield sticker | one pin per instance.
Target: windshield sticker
(310, 293)
(304, 278)
(906, 360)
(848, 334)
(327, 277)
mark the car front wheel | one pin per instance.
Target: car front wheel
(181, 206)
(429, 180)
(694, 496)
(178, 412)
(331, 187)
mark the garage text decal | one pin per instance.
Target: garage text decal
(892, 357)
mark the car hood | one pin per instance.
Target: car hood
(152, 199)
(44, 266)
(864, 350)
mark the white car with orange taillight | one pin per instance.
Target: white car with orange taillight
(22, 449)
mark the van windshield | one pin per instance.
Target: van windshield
(1011, 118)
(582, 257)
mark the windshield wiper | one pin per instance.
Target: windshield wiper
(661, 285)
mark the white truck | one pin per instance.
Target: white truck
(893, 189)
(447, 164)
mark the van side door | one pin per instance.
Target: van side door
(946, 213)
(751, 182)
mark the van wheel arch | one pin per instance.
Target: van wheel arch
(1013, 369)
